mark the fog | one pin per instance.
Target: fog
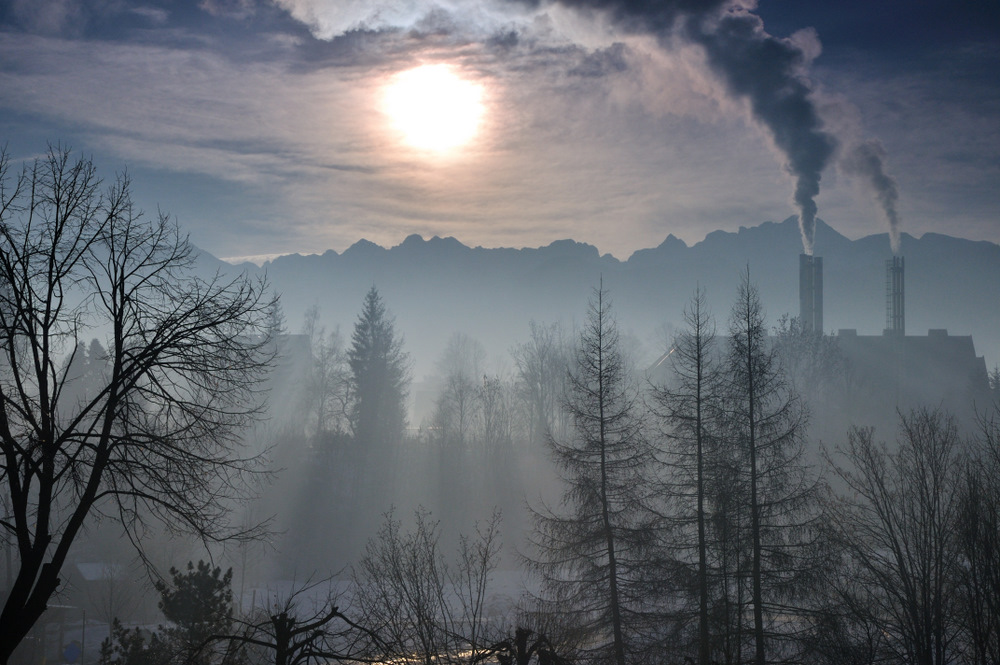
(476, 399)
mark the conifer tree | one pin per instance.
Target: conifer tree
(379, 376)
(689, 409)
(766, 426)
(592, 554)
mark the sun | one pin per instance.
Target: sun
(433, 108)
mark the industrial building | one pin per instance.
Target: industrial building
(883, 373)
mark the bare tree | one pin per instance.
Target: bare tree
(979, 546)
(813, 362)
(498, 422)
(592, 559)
(541, 363)
(327, 390)
(301, 629)
(420, 604)
(897, 520)
(157, 437)
(522, 649)
(461, 366)
(994, 381)
(454, 427)
(115, 594)
(499, 482)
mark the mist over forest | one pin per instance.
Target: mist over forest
(439, 454)
(474, 323)
(466, 435)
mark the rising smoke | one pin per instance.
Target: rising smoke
(767, 72)
(866, 161)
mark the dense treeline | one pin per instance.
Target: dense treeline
(690, 517)
(678, 513)
(882, 553)
(687, 516)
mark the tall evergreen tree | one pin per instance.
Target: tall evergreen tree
(379, 376)
(766, 430)
(688, 404)
(592, 556)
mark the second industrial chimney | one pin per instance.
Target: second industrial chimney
(895, 313)
(811, 293)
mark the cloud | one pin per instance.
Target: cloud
(936, 118)
(155, 15)
(561, 155)
(47, 18)
(595, 131)
(234, 9)
(328, 19)
(602, 62)
(767, 74)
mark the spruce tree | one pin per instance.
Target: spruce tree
(688, 405)
(592, 554)
(766, 427)
(379, 376)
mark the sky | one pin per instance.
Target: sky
(268, 126)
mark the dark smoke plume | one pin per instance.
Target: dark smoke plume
(766, 71)
(866, 160)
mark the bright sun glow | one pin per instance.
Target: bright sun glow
(434, 108)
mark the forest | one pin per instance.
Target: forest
(682, 512)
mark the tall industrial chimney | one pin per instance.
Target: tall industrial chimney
(895, 313)
(811, 293)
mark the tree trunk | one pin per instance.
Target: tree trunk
(616, 618)
(704, 648)
(758, 610)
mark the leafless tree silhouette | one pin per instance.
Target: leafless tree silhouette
(157, 435)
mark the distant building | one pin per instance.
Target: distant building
(894, 370)
(868, 378)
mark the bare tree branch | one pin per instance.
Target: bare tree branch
(155, 434)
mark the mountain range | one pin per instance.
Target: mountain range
(440, 286)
